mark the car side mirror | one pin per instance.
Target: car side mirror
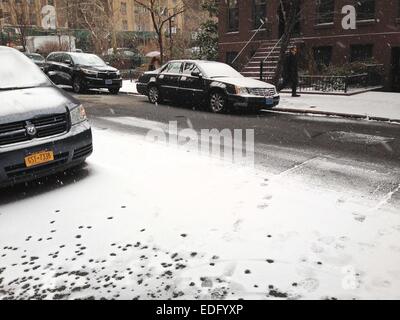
(107, 63)
(68, 62)
(196, 74)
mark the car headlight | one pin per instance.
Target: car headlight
(241, 90)
(78, 115)
(118, 73)
(89, 72)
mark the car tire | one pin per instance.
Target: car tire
(154, 95)
(114, 90)
(218, 102)
(77, 85)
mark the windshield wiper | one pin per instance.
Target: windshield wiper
(16, 88)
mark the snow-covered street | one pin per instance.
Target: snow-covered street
(147, 221)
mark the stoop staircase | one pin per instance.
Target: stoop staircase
(269, 49)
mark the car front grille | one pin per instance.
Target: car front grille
(45, 127)
(108, 75)
(263, 92)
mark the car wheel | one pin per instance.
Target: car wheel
(218, 102)
(154, 95)
(77, 85)
(114, 90)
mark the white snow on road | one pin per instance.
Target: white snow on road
(146, 221)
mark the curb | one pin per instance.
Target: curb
(129, 93)
(336, 114)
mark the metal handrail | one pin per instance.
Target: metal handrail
(273, 48)
(251, 39)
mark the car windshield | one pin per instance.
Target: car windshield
(88, 60)
(216, 70)
(17, 72)
(36, 57)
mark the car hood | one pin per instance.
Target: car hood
(25, 104)
(98, 68)
(245, 82)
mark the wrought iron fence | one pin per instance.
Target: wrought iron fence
(338, 84)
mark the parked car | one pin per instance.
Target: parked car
(82, 71)
(216, 84)
(123, 58)
(38, 59)
(43, 129)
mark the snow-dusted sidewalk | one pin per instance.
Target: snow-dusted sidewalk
(129, 87)
(382, 106)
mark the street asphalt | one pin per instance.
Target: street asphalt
(325, 152)
(359, 155)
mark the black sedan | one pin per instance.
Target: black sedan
(82, 71)
(38, 59)
(212, 83)
(42, 128)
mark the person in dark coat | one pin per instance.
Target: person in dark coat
(291, 71)
(155, 63)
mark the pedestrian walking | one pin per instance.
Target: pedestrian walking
(291, 71)
(154, 64)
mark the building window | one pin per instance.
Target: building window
(361, 52)
(325, 11)
(398, 9)
(123, 8)
(125, 25)
(322, 56)
(259, 12)
(50, 2)
(33, 19)
(233, 15)
(230, 56)
(365, 9)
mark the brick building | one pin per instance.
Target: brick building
(319, 30)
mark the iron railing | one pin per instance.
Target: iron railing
(338, 84)
(267, 57)
(249, 41)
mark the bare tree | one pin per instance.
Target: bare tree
(161, 14)
(291, 14)
(20, 11)
(99, 17)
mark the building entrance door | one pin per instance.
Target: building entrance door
(396, 69)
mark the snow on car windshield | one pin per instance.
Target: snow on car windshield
(18, 71)
(36, 57)
(214, 70)
(88, 60)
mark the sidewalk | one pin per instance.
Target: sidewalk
(382, 106)
(129, 87)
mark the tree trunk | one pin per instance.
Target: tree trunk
(291, 18)
(161, 46)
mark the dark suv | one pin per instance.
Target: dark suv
(42, 128)
(82, 71)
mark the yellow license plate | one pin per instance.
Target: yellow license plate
(39, 158)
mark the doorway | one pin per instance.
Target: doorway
(396, 69)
